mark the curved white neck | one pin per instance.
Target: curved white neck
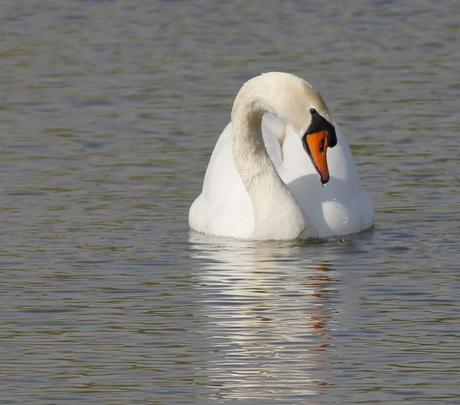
(277, 215)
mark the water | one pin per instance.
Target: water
(109, 112)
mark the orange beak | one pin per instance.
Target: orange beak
(316, 146)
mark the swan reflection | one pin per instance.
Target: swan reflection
(269, 312)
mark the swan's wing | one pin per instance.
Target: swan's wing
(346, 193)
(224, 206)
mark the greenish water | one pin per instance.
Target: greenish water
(109, 112)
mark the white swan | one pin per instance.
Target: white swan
(262, 178)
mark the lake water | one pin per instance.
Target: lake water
(109, 112)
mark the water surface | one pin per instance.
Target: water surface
(109, 112)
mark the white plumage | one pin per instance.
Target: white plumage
(262, 184)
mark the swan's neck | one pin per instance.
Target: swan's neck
(277, 215)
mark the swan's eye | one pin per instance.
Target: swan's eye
(313, 112)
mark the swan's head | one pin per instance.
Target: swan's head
(299, 105)
(319, 136)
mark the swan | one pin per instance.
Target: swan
(262, 182)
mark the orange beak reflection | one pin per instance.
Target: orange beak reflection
(316, 145)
